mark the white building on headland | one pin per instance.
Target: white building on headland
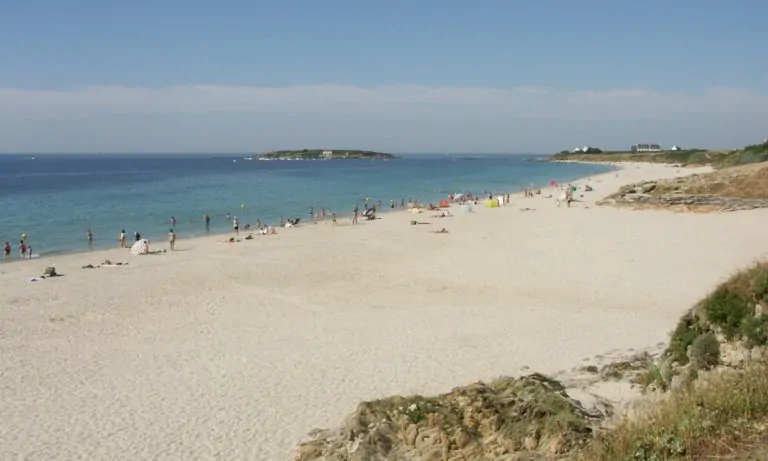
(327, 153)
(676, 148)
(646, 148)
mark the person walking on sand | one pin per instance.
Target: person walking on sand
(207, 220)
(89, 238)
(236, 225)
(122, 238)
(355, 211)
(333, 217)
(172, 239)
(7, 251)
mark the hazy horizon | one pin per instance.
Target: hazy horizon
(447, 77)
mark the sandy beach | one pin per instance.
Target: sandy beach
(236, 351)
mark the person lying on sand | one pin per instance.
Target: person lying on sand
(267, 230)
(229, 240)
(441, 231)
(527, 209)
(444, 214)
(106, 263)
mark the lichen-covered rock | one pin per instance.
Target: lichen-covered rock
(531, 416)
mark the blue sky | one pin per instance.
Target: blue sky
(404, 76)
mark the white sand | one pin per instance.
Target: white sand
(236, 351)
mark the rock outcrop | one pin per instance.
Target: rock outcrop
(730, 189)
(642, 195)
(528, 418)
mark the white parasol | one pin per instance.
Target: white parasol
(141, 247)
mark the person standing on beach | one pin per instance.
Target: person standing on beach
(122, 238)
(356, 211)
(172, 239)
(22, 249)
(136, 236)
(207, 220)
(7, 251)
(236, 225)
(391, 204)
(333, 217)
(89, 238)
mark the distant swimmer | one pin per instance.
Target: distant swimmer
(207, 220)
(173, 221)
(228, 216)
(89, 239)
(242, 206)
(122, 238)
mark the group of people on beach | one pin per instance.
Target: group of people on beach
(316, 215)
(25, 249)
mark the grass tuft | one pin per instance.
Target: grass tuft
(705, 352)
(700, 422)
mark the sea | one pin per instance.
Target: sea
(54, 199)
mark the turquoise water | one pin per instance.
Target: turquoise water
(55, 199)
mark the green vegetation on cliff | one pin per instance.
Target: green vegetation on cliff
(737, 309)
(724, 413)
(322, 154)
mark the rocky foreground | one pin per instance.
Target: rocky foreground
(509, 419)
(730, 189)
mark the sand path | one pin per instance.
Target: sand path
(236, 351)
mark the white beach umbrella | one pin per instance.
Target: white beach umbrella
(140, 247)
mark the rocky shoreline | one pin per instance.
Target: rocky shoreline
(641, 195)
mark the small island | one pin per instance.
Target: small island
(322, 154)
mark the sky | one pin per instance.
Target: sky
(399, 76)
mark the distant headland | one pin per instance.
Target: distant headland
(321, 154)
